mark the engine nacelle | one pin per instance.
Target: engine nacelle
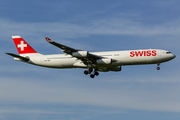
(115, 69)
(118, 68)
(80, 54)
(104, 61)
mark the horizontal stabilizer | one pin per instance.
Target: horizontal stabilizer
(17, 56)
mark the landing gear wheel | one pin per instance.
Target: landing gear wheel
(86, 72)
(92, 76)
(96, 73)
(158, 68)
(89, 71)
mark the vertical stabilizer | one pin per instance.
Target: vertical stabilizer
(22, 46)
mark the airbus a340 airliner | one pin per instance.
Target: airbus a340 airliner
(92, 61)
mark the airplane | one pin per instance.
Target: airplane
(93, 62)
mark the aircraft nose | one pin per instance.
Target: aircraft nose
(173, 56)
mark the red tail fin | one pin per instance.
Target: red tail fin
(22, 46)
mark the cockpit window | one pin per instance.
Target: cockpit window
(168, 52)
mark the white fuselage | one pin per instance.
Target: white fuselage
(122, 58)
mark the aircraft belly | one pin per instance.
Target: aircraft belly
(65, 63)
(138, 60)
(53, 63)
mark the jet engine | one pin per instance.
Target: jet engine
(80, 54)
(104, 61)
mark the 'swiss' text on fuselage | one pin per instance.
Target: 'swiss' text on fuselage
(143, 53)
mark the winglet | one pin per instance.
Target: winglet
(48, 39)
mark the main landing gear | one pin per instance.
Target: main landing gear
(90, 70)
(158, 66)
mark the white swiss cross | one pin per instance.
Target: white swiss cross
(22, 45)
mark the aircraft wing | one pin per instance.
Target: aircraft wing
(88, 58)
(17, 56)
(64, 48)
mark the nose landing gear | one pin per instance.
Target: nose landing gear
(158, 67)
